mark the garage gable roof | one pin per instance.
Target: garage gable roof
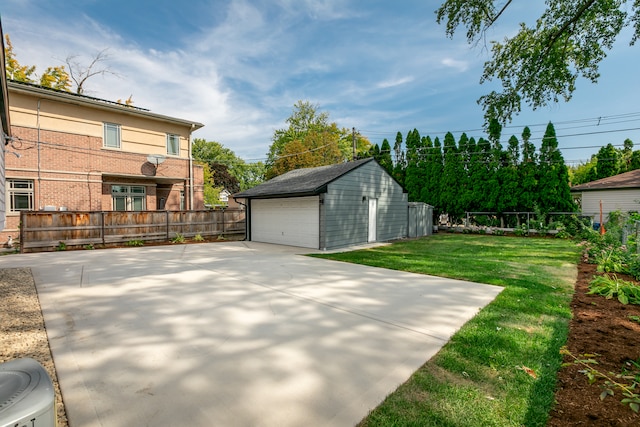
(301, 182)
(624, 180)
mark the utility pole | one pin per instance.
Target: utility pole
(353, 137)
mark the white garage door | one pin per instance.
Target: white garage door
(292, 221)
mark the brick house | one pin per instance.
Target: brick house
(75, 152)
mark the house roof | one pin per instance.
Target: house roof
(624, 180)
(301, 182)
(74, 98)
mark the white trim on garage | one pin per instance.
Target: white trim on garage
(291, 221)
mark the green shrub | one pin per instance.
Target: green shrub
(198, 238)
(178, 239)
(610, 286)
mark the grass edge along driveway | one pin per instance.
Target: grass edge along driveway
(500, 368)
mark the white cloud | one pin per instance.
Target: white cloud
(395, 82)
(459, 65)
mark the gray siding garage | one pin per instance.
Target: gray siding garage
(328, 207)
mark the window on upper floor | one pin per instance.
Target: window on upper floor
(111, 137)
(20, 194)
(173, 145)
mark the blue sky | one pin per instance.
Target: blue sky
(379, 66)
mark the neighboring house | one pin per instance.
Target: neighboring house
(619, 192)
(224, 196)
(327, 207)
(75, 152)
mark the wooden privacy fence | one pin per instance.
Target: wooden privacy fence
(46, 229)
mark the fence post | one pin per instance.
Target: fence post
(102, 233)
(167, 222)
(21, 226)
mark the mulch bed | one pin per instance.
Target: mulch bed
(603, 327)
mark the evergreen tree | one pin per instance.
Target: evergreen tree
(528, 174)
(465, 146)
(509, 177)
(608, 162)
(554, 193)
(400, 164)
(451, 179)
(384, 158)
(495, 161)
(414, 171)
(433, 167)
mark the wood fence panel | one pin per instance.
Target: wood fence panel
(49, 229)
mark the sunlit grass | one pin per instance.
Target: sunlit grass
(500, 368)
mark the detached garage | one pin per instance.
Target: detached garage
(327, 207)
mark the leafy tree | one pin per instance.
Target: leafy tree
(211, 193)
(584, 172)
(541, 63)
(15, 71)
(56, 78)
(309, 140)
(228, 170)
(607, 162)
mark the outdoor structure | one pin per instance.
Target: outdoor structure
(619, 192)
(327, 207)
(79, 153)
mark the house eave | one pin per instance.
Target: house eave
(75, 99)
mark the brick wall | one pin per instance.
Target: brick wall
(75, 172)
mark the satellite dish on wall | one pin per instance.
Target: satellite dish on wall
(155, 159)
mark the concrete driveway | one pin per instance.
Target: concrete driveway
(236, 334)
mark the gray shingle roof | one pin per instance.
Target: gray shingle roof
(624, 180)
(301, 182)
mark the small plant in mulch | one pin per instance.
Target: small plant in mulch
(62, 246)
(627, 382)
(610, 286)
(178, 239)
(198, 238)
(635, 319)
(89, 247)
(135, 243)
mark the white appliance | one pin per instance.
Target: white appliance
(27, 398)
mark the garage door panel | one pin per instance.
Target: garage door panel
(292, 221)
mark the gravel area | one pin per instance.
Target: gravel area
(22, 330)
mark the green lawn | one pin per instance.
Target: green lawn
(500, 368)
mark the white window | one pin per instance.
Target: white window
(111, 137)
(20, 194)
(128, 197)
(173, 145)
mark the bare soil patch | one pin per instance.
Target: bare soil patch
(22, 331)
(603, 327)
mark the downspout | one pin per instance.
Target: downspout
(247, 224)
(191, 192)
(38, 144)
